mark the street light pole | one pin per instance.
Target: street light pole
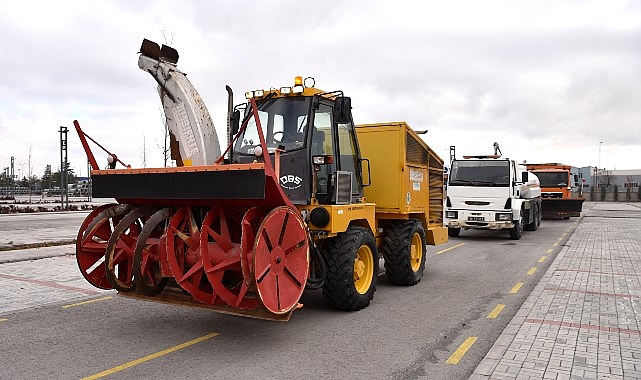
(598, 166)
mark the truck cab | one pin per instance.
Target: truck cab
(559, 186)
(494, 193)
(303, 125)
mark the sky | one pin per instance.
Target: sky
(550, 81)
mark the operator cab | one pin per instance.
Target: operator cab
(315, 136)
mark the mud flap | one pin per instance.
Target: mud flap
(436, 235)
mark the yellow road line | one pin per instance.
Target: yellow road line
(531, 271)
(3, 319)
(461, 350)
(542, 259)
(149, 357)
(549, 250)
(555, 244)
(516, 288)
(450, 248)
(497, 310)
(86, 302)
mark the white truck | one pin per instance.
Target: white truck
(490, 192)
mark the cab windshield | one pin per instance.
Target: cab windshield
(553, 179)
(284, 123)
(480, 173)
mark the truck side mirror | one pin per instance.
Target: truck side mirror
(342, 110)
(524, 177)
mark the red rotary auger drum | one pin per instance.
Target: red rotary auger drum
(225, 234)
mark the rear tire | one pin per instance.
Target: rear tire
(453, 231)
(405, 252)
(533, 226)
(352, 269)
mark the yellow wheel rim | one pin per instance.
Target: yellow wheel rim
(363, 269)
(416, 252)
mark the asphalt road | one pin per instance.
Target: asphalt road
(48, 330)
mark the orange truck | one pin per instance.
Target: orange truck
(558, 199)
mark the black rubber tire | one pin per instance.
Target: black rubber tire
(533, 226)
(341, 251)
(453, 231)
(517, 230)
(397, 252)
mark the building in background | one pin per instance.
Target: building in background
(623, 181)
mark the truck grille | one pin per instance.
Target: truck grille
(477, 203)
(343, 190)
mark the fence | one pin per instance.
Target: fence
(14, 190)
(632, 195)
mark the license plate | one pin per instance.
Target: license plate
(476, 218)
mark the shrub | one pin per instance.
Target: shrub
(593, 195)
(616, 193)
(602, 193)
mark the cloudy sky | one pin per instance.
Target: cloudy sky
(551, 81)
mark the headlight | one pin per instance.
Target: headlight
(503, 216)
(451, 214)
(319, 217)
(285, 90)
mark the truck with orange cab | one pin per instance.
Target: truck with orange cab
(561, 200)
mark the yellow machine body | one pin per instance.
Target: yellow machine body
(406, 177)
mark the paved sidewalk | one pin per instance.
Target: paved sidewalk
(36, 253)
(583, 319)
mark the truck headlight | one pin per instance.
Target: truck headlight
(504, 216)
(451, 214)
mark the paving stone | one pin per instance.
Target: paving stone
(592, 327)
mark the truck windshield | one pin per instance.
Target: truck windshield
(553, 179)
(480, 173)
(283, 121)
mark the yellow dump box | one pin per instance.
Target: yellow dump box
(406, 176)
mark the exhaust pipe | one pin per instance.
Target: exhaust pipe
(230, 111)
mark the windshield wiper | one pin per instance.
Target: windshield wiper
(476, 182)
(461, 181)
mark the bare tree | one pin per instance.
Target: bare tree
(164, 148)
(144, 152)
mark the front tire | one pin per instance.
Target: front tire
(517, 230)
(453, 231)
(405, 252)
(352, 269)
